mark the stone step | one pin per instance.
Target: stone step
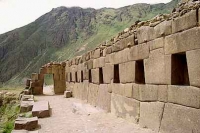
(24, 131)
(26, 92)
(27, 98)
(67, 94)
(26, 106)
(26, 123)
(41, 109)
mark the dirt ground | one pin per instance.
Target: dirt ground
(75, 116)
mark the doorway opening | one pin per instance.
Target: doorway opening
(48, 85)
(100, 75)
(76, 77)
(139, 72)
(81, 76)
(90, 76)
(116, 74)
(179, 69)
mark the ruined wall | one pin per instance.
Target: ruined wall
(35, 84)
(149, 75)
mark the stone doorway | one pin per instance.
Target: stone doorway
(48, 85)
(57, 78)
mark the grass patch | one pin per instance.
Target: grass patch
(8, 114)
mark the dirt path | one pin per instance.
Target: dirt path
(75, 116)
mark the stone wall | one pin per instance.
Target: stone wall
(149, 75)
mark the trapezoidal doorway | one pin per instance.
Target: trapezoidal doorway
(57, 72)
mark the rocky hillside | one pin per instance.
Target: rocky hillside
(65, 32)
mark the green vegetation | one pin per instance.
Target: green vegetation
(9, 109)
(48, 79)
(64, 33)
(8, 114)
(26, 115)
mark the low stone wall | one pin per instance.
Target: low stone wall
(149, 75)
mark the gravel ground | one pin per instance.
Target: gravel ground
(75, 116)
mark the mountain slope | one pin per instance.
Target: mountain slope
(65, 32)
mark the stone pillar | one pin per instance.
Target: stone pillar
(58, 71)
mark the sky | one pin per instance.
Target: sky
(17, 13)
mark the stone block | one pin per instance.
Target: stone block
(59, 86)
(27, 98)
(156, 44)
(73, 61)
(73, 74)
(92, 94)
(180, 119)
(193, 62)
(109, 50)
(163, 93)
(184, 95)
(168, 69)
(125, 108)
(85, 74)
(74, 68)
(109, 88)
(163, 29)
(89, 64)
(55, 69)
(19, 131)
(68, 77)
(26, 106)
(183, 41)
(151, 115)
(122, 44)
(110, 58)
(84, 92)
(80, 89)
(116, 47)
(120, 57)
(184, 22)
(104, 52)
(118, 89)
(28, 82)
(87, 56)
(26, 123)
(108, 73)
(34, 76)
(27, 91)
(71, 86)
(79, 75)
(136, 92)
(148, 93)
(100, 62)
(41, 109)
(75, 90)
(155, 65)
(67, 94)
(128, 90)
(145, 34)
(104, 98)
(96, 54)
(49, 70)
(130, 41)
(127, 72)
(95, 76)
(67, 86)
(139, 52)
